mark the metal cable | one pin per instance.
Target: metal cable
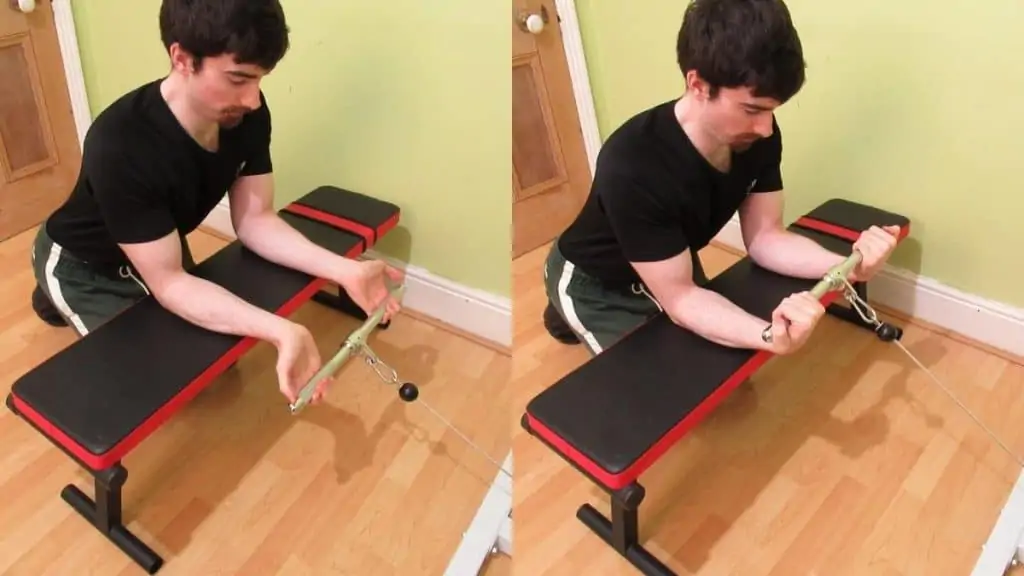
(392, 378)
(869, 316)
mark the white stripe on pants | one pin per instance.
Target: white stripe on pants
(569, 309)
(56, 294)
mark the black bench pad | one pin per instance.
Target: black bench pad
(105, 393)
(614, 416)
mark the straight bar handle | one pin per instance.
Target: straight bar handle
(355, 341)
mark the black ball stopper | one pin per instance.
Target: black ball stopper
(888, 332)
(408, 392)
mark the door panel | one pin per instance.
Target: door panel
(39, 152)
(537, 158)
(550, 172)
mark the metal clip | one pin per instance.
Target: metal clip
(863, 309)
(378, 366)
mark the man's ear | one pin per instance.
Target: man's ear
(181, 60)
(697, 86)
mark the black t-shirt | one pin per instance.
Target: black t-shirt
(143, 176)
(654, 195)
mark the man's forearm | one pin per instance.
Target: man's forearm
(210, 306)
(715, 318)
(790, 254)
(275, 240)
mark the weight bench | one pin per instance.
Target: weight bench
(614, 416)
(98, 399)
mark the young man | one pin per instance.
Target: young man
(671, 177)
(155, 164)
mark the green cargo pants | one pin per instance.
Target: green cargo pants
(86, 296)
(597, 314)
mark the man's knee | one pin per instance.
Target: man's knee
(557, 327)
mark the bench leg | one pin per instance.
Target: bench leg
(105, 515)
(623, 530)
(339, 300)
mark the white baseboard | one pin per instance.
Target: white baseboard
(476, 312)
(985, 321)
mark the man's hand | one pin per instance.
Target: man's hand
(366, 284)
(298, 360)
(875, 245)
(793, 321)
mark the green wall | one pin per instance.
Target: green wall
(912, 106)
(405, 100)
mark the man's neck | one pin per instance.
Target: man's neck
(203, 131)
(713, 150)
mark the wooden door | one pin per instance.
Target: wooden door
(550, 172)
(39, 151)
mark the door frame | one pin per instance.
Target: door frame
(64, 20)
(572, 43)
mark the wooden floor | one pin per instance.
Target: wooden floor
(363, 485)
(844, 459)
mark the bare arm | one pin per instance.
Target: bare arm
(773, 247)
(261, 230)
(697, 309)
(199, 301)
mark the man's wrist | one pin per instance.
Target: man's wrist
(345, 269)
(278, 330)
(766, 338)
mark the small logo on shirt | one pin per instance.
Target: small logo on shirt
(751, 185)
(240, 168)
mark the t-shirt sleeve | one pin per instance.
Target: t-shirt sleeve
(259, 161)
(770, 178)
(134, 207)
(646, 226)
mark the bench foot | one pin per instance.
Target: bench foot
(339, 300)
(104, 514)
(622, 531)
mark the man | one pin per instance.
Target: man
(155, 164)
(672, 176)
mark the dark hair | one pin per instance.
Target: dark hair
(742, 43)
(253, 31)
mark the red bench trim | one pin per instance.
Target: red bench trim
(839, 231)
(648, 458)
(367, 233)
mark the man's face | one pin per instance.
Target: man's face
(737, 118)
(224, 91)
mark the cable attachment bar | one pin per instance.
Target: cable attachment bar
(354, 344)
